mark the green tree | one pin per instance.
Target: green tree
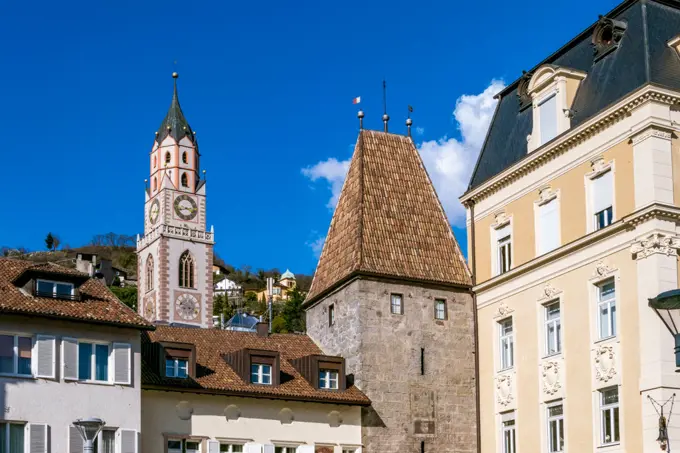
(49, 241)
(126, 294)
(279, 324)
(292, 313)
(222, 306)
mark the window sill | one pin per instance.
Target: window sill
(552, 356)
(611, 339)
(505, 370)
(91, 382)
(605, 446)
(20, 376)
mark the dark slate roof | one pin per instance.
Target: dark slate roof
(179, 126)
(641, 58)
(388, 221)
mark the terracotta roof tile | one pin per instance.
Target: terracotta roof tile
(96, 304)
(388, 221)
(214, 374)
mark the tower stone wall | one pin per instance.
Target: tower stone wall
(383, 352)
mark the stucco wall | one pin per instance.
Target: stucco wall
(383, 350)
(57, 402)
(256, 420)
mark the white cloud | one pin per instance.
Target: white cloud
(420, 130)
(317, 245)
(449, 161)
(333, 171)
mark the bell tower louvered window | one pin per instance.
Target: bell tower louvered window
(186, 270)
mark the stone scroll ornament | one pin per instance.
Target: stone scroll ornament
(655, 243)
(605, 368)
(551, 378)
(504, 390)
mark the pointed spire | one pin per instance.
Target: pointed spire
(175, 124)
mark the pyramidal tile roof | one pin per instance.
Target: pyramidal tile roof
(388, 221)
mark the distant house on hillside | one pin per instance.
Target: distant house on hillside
(281, 288)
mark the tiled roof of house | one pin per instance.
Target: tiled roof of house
(642, 57)
(214, 374)
(96, 304)
(388, 221)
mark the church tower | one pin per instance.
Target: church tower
(174, 257)
(391, 292)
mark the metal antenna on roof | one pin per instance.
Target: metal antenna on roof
(409, 121)
(385, 117)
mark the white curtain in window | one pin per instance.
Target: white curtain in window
(602, 188)
(548, 114)
(503, 232)
(549, 227)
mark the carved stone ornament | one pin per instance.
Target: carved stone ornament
(504, 390)
(602, 270)
(286, 416)
(232, 412)
(549, 292)
(502, 311)
(334, 419)
(655, 243)
(598, 165)
(184, 410)
(651, 132)
(502, 219)
(551, 377)
(605, 363)
(607, 36)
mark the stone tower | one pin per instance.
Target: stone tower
(391, 293)
(174, 257)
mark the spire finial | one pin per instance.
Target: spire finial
(385, 116)
(175, 75)
(409, 121)
(360, 115)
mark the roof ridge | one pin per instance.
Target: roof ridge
(362, 174)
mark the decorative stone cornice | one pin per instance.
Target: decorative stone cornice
(655, 243)
(602, 270)
(548, 292)
(651, 131)
(501, 219)
(598, 166)
(551, 377)
(546, 194)
(502, 311)
(504, 390)
(572, 138)
(605, 366)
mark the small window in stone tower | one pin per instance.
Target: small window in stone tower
(167, 158)
(331, 315)
(186, 270)
(440, 309)
(154, 161)
(397, 304)
(184, 157)
(149, 273)
(155, 183)
(185, 180)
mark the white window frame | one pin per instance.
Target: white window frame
(547, 197)
(231, 446)
(539, 106)
(26, 434)
(54, 286)
(507, 361)
(609, 304)
(556, 324)
(15, 353)
(183, 445)
(508, 433)
(261, 373)
(611, 409)
(328, 377)
(285, 448)
(100, 436)
(440, 314)
(496, 247)
(556, 419)
(93, 361)
(176, 368)
(400, 305)
(599, 170)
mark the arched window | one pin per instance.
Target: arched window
(186, 270)
(155, 183)
(167, 157)
(185, 180)
(184, 157)
(149, 273)
(154, 161)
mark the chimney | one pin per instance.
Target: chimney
(262, 329)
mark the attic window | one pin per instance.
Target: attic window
(58, 290)
(607, 36)
(523, 91)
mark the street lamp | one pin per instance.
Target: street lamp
(667, 306)
(88, 429)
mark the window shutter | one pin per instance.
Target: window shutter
(252, 448)
(549, 227)
(548, 115)
(213, 446)
(127, 441)
(69, 358)
(602, 189)
(75, 442)
(37, 438)
(121, 363)
(305, 449)
(45, 355)
(268, 448)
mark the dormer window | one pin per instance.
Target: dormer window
(328, 379)
(177, 368)
(261, 373)
(552, 90)
(59, 290)
(178, 360)
(607, 36)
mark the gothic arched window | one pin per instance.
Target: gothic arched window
(154, 161)
(185, 180)
(155, 183)
(184, 157)
(167, 158)
(149, 273)
(186, 270)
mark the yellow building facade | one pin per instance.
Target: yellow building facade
(571, 230)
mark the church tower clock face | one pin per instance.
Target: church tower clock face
(187, 307)
(185, 207)
(154, 211)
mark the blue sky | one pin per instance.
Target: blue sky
(268, 88)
